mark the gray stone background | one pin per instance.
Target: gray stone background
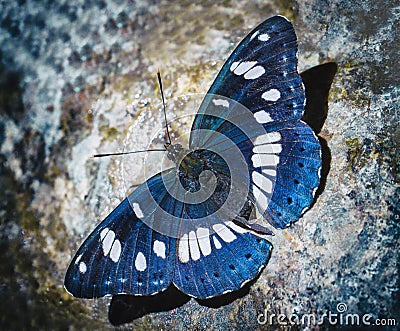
(78, 78)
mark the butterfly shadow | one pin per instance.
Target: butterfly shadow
(126, 308)
(317, 81)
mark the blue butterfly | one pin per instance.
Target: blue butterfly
(190, 225)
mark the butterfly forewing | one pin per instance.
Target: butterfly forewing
(122, 255)
(261, 74)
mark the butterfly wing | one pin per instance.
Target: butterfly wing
(285, 171)
(261, 74)
(124, 254)
(130, 253)
(220, 259)
(257, 101)
(215, 255)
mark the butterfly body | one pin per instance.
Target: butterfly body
(190, 163)
(189, 225)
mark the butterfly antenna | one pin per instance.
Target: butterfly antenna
(163, 102)
(166, 126)
(126, 153)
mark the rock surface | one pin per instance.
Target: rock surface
(79, 78)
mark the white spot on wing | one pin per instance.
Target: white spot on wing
(194, 246)
(221, 102)
(78, 259)
(303, 211)
(103, 233)
(203, 237)
(262, 182)
(262, 117)
(115, 251)
(268, 138)
(159, 249)
(268, 149)
(82, 267)
(254, 73)
(217, 243)
(234, 66)
(235, 227)
(270, 172)
(224, 233)
(264, 160)
(244, 67)
(108, 241)
(271, 95)
(140, 262)
(264, 37)
(261, 199)
(254, 35)
(183, 249)
(137, 210)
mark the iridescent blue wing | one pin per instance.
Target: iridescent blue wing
(216, 255)
(219, 259)
(285, 170)
(298, 175)
(124, 254)
(256, 102)
(153, 239)
(261, 74)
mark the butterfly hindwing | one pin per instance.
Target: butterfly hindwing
(286, 173)
(221, 259)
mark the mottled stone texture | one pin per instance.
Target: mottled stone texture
(78, 78)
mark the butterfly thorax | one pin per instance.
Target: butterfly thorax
(188, 162)
(191, 166)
